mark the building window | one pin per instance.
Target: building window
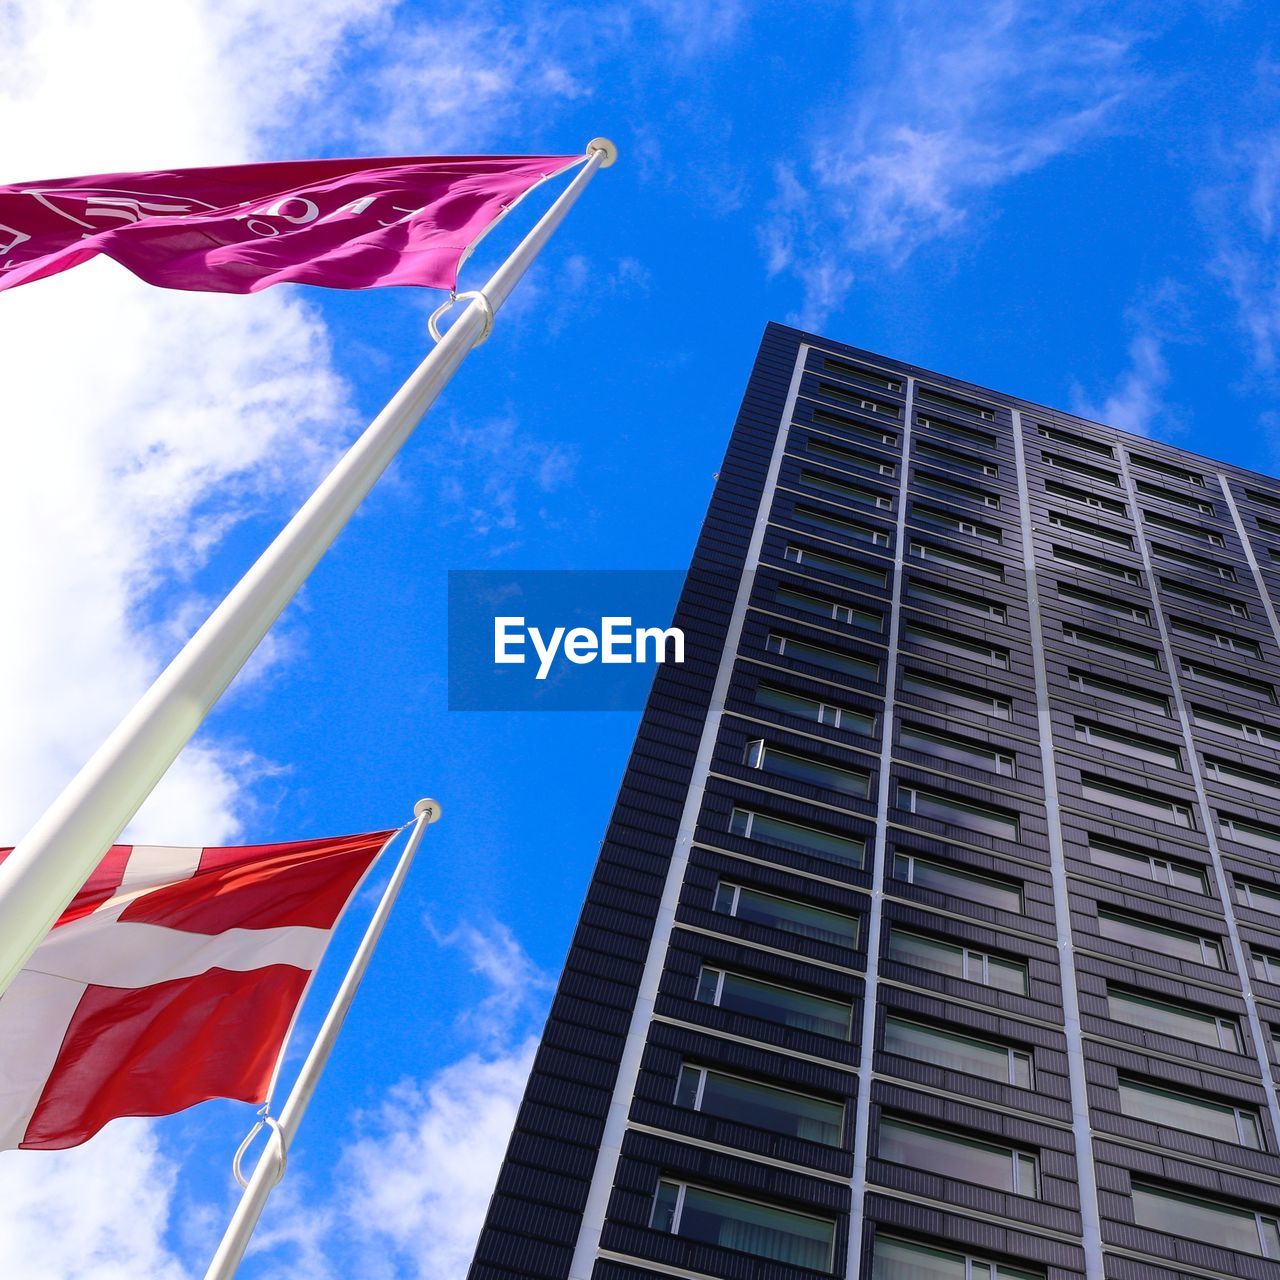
(1132, 931)
(816, 773)
(849, 492)
(1087, 682)
(1163, 552)
(935, 638)
(762, 1106)
(845, 528)
(948, 747)
(1112, 645)
(1079, 442)
(957, 560)
(927, 480)
(1108, 604)
(1090, 530)
(850, 850)
(1237, 775)
(1266, 964)
(1165, 468)
(935, 518)
(1129, 744)
(1228, 680)
(736, 993)
(1084, 497)
(1239, 1125)
(849, 458)
(815, 655)
(1208, 1222)
(966, 435)
(827, 417)
(1064, 463)
(950, 460)
(834, 365)
(929, 396)
(786, 915)
(1131, 800)
(1000, 894)
(956, 695)
(803, 708)
(1182, 527)
(924, 952)
(1224, 722)
(951, 1155)
(834, 564)
(931, 593)
(1178, 1021)
(830, 609)
(1223, 639)
(749, 1226)
(1111, 568)
(1253, 834)
(1236, 608)
(957, 1053)
(896, 1259)
(1149, 490)
(1148, 866)
(1259, 897)
(945, 808)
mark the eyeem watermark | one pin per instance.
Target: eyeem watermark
(617, 641)
(551, 640)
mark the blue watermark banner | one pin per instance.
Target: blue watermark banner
(560, 640)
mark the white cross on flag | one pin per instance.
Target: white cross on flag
(173, 976)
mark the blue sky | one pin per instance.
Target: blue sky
(1078, 203)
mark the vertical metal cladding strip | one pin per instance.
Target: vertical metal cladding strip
(866, 1048)
(1090, 1218)
(1207, 815)
(602, 1178)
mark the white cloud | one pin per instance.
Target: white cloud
(1136, 401)
(98, 1212)
(1245, 217)
(423, 1176)
(963, 102)
(140, 425)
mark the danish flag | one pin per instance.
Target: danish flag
(173, 976)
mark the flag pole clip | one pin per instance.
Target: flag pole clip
(475, 295)
(264, 1121)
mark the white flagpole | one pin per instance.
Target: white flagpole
(45, 870)
(271, 1163)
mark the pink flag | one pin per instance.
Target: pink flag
(348, 224)
(172, 977)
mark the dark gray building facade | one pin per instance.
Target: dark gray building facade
(936, 931)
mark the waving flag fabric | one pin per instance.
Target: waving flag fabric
(172, 977)
(347, 224)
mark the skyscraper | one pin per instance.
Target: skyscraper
(936, 932)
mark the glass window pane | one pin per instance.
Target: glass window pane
(790, 916)
(791, 835)
(1180, 1111)
(785, 1005)
(1173, 942)
(1207, 1221)
(816, 773)
(760, 1229)
(664, 1206)
(798, 705)
(944, 808)
(816, 656)
(1007, 975)
(767, 1107)
(926, 953)
(1167, 1019)
(687, 1086)
(961, 884)
(905, 1260)
(950, 1155)
(948, 1049)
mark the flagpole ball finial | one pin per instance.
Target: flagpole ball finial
(608, 148)
(428, 808)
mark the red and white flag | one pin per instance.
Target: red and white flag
(172, 977)
(346, 224)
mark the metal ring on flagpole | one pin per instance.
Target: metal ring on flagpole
(267, 1122)
(485, 308)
